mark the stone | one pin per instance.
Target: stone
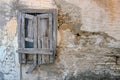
(88, 31)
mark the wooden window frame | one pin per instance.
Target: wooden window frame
(35, 51)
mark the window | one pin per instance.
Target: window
(37, 36)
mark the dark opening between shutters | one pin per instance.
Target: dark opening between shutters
(37, 37)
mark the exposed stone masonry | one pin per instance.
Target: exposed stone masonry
(88, 46)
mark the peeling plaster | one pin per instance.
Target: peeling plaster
(83, 37)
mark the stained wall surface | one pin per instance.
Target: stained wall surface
(88, 40)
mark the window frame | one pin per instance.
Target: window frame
(54, 22)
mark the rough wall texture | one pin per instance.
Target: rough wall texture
(88, 46)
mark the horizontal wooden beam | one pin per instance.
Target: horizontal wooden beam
(35, 51)
(24, 10)
(43, 15)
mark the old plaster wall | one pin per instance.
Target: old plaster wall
(88, 43)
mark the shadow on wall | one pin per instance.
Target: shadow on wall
(1, 76)
(89, 75)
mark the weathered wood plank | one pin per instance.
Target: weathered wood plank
(43, 11)
(34, 51)
(50, 32)
(55, 22)
(50, 37)
(39, 41)
(19, 21)
(43, 34)
(29, 16)
(35, 40)
(43, 15)
(23, 38)
(30, 29)
(39, 47)
(45, 58)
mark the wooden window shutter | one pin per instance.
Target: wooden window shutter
(45, 37)
(28, 37)
(36, 37)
